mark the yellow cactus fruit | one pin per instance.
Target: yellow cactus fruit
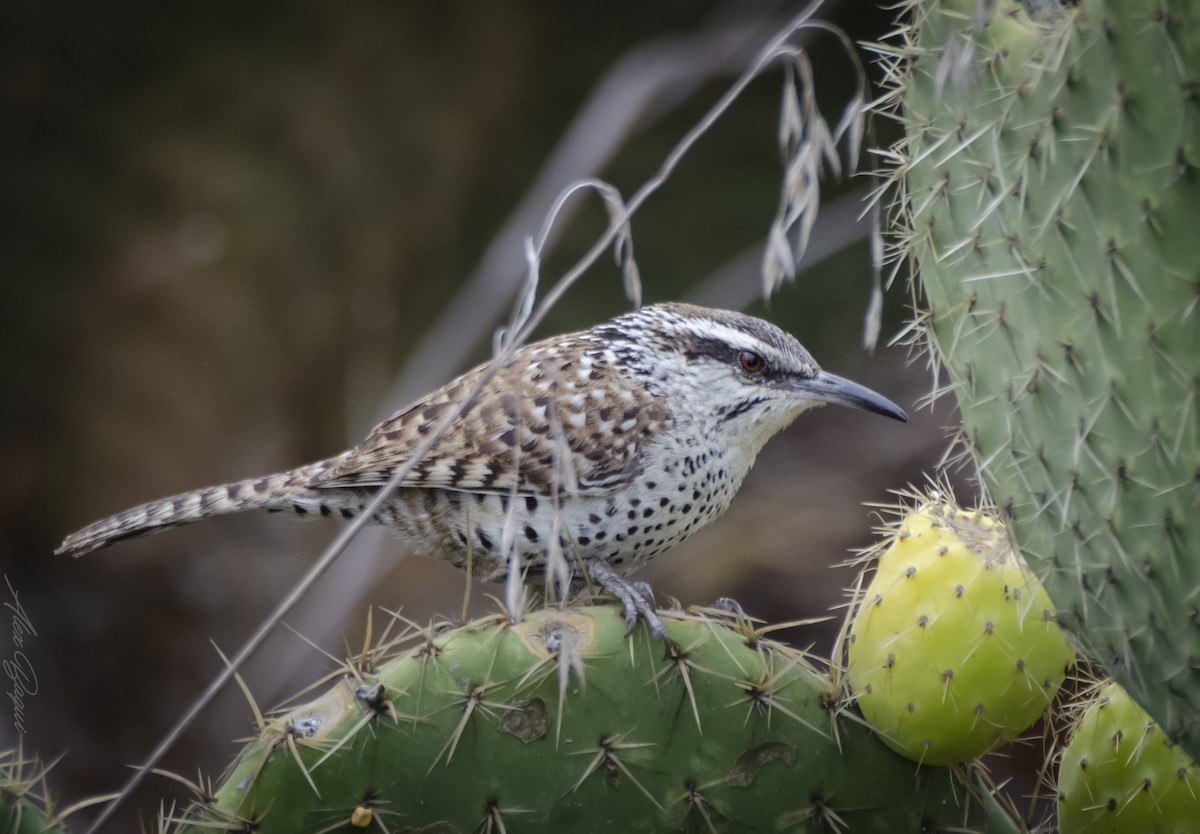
(954, 648)
(1120, 774)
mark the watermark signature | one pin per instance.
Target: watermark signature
(17, 667)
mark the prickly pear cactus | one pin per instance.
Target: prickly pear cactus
(1120, 774)
(1052, 176)
(17, 817)
(954, 648)
(25, 805)
(561, 723)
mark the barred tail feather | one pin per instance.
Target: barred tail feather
(270, 492)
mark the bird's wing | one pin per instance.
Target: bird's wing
(543, 422)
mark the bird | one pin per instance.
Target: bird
(606, 447)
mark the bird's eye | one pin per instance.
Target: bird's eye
(751, 362)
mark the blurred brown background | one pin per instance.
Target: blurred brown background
(225, 229)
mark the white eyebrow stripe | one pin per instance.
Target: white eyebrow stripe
(707, 329)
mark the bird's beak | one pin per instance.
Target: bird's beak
(832, 388)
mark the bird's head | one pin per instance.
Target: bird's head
(743, 376)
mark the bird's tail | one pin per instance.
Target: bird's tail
(286, 490)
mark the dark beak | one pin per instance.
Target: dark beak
(835, 389)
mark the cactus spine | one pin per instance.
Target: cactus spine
(1051, 176)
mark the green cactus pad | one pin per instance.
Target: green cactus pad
(19, 818)
(25, 804)
(1121, 775)
(954, 648)
(562, 723)
(1052, 176)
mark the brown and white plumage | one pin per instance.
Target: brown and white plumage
(508, 436)
(618, 442)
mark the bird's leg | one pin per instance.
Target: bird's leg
(635, 596)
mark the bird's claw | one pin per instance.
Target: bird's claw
(636, 597)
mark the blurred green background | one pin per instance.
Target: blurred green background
(226, 228)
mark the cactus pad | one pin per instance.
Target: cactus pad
(562, 723)
(1051, 170)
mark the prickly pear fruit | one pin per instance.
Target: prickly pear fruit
(954, 648)
(1120, 774)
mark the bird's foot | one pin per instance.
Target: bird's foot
(729, 605)
(637, 597)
